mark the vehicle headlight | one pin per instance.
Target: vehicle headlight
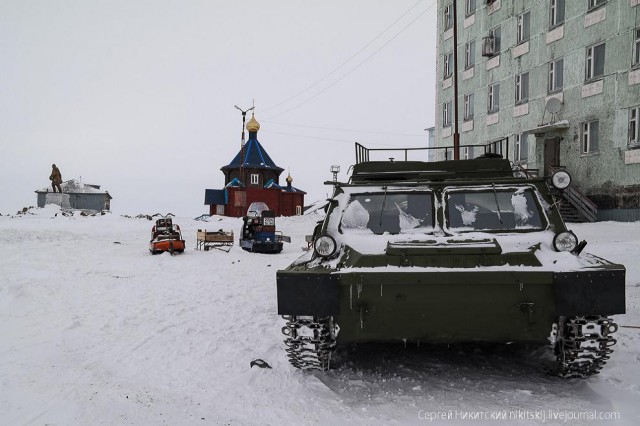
(325, 246)
(561, 180)
(565, 241)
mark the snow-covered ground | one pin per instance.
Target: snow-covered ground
(94, 330)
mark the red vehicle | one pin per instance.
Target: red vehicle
(165, 236)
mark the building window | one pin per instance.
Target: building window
(446, 114)
(594, 65)
(634, 127)
(493, 98)
(595, 3)
(555, 83)
(523, 27)
(590, 137)
(448, 16)
(448, 64)
(220, 209)
(556, 13)
(255, 179)
(470, 54)
(468, 106)
(298, 210)
(469, 7)
(521, 148)
(495, 35)
(494, 147)
(522, 88)
(491, 43)
(636, 48)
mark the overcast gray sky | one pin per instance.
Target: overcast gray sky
(138, 95)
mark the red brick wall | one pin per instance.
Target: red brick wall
(282, 203)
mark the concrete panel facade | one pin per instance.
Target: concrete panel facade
(608, 174)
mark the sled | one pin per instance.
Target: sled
(221, 240)
(165, 236)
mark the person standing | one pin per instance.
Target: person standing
(56, 178)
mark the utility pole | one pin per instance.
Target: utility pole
(244, 114)
(242, 177)
(456, 134)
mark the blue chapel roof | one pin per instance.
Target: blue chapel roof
(288, 188)
(255, 156)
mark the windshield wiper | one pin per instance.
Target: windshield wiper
(495, 194)
(384, 201)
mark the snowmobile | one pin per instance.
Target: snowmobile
(259, 233)
(165, 236)
(450, 252)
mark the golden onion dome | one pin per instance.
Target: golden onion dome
(253, 125)
(289, 179)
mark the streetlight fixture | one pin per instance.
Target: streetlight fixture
(335, 170)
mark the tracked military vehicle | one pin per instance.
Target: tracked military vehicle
(450, 252)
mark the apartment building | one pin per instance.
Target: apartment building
(559, 78)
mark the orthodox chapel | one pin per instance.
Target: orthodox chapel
(251, 177)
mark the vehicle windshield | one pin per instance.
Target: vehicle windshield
(492, 209)
(392, 212)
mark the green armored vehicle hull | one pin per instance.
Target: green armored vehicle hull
(444, 252)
